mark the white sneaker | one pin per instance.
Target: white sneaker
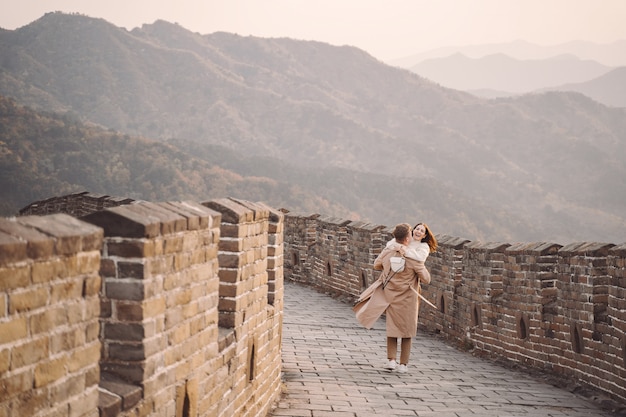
(403, 369)
(391, 365)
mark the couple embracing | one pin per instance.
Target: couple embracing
(397, 290)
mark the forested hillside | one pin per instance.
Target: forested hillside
(45, 155)
(312, 127)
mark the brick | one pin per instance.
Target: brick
(30, 352)
(38, 245)
(158, 266)
(195, 214)
(67, 340)
(31, 403)
(62, 291)
(131, 248)
(173, 316)
(14, 329)
(182, 261)
(173, 244)
(68, 238)
(192, 219)
(179, 334)
(92, 286)
(84, 357)
(90, 236)
(127, 332)
(230, 304)
(182, 297)
(190, 242)
(88, 262)
(124, 221)
(231, 245)
(130, 270)
(92, 376)
(12, 249)
(86, 404)
(132, 372)
(110, 405)
(16, 383)
(124, 290)
(68, 388)
(28, 299)
(231, 260)
(171, 282)
(14, 277)
(47, 320)
(228, 289)
(154, 307)
(171, 222)
(231, 211)
(46, 271)
(91, 311)
(92, 331)
(48, 372)
(231, 231)
(129, 311)
(127, 351)
(106, 308)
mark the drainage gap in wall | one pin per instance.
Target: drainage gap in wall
(186, 406)
(329, 269)
(577, 339)
(251, 363)
(476, 320)
(522, 327)
(364, 279)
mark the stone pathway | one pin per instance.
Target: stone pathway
(332, 367)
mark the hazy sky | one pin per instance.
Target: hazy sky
(387, 29)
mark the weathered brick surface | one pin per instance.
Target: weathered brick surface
(134, 293)
(540, 304)
(49, 350)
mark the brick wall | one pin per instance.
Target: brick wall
(333, 254)
(180, 310)
(77, 204)
(49, 309)
(550, 307)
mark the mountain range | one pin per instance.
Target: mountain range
(610, 54)
(497, 74)
(501, 72)
(164, 113)
(608, 89)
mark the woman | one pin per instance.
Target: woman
(422, 243)
(403, 288)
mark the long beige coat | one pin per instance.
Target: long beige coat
(398, 299)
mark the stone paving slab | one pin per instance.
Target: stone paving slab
(332, 367)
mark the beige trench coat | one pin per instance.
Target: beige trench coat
(398, 300)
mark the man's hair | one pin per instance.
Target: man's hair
(401, 231)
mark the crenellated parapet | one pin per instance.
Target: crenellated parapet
(49, 316)
(332, 254)
(160, 309)
(555, 308)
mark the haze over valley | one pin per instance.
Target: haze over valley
(164, 113)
